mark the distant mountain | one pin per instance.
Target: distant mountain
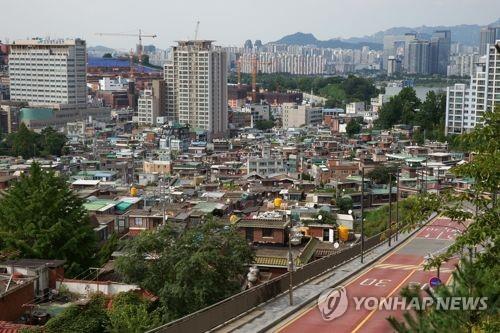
(99, 50)
(465, 34)
(301, 38)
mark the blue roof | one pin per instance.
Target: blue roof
(107, 62)
(115, 63)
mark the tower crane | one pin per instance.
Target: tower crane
(140, 36)
(255, 65)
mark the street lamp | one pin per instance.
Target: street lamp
(295, 238)
(362, 212)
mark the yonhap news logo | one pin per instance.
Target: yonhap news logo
(333, 303)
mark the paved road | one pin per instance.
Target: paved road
(386, 278)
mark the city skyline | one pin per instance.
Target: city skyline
(177, 21)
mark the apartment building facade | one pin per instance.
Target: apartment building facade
(196, 86)
(47, 72)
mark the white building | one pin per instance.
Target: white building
(259, 112)
(46, 72)
(267, 164)
(465, 107)
(196, 86)
(301, 115)
(355, 108)
(146, 113)
(459, 109)
(113, 84)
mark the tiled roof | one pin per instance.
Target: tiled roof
(262, 223)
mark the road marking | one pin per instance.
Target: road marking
(439, 235)
(313, 304)
(390, 294)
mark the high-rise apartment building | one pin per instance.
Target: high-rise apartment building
(418, 57)
(440, 47)
(151, 104)
(488, 35)
(465, 107)
(48, 72)
(196, 86)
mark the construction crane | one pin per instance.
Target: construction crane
(140, 35)
(255, 66)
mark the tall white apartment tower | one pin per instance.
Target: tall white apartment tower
(465, 107)
(48, 72)
(196, 86)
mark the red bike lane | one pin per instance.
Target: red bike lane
(384, 279)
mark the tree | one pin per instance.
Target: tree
(107, 55)
(399, 109)
(380, 174)
(28, 144)
(40, 217)
(264, 124)
(130, 313)
(353, 127)
(208, 258)
(344, 204)
(91, 317)
(52, 142)
(23, 143)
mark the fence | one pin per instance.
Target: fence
(223, 311)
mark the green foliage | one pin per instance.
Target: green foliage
(344, 204)
(326, 218)
(380, 174)
(376, 221)
(306, 176)
(190, 271)
(264, 124)
(40, 217)
(353, 127)
(336, 89)
(130, 313)
(401, 109)
(27, 143)
(81, 319)
(107, 249)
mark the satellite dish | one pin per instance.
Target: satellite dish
(320, 217)
(349, 212)
(336, 245)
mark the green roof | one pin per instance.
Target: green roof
(29, 114)
(123, 206)
(99, 204)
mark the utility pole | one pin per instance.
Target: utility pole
(390, 209)
(362, 211)
(290, 261)
(397, 203)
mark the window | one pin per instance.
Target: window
(138, 221)
(267, 232)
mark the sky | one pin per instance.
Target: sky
(229, 22)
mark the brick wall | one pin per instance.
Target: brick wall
(11, 304)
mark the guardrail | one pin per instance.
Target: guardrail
(223, 311)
